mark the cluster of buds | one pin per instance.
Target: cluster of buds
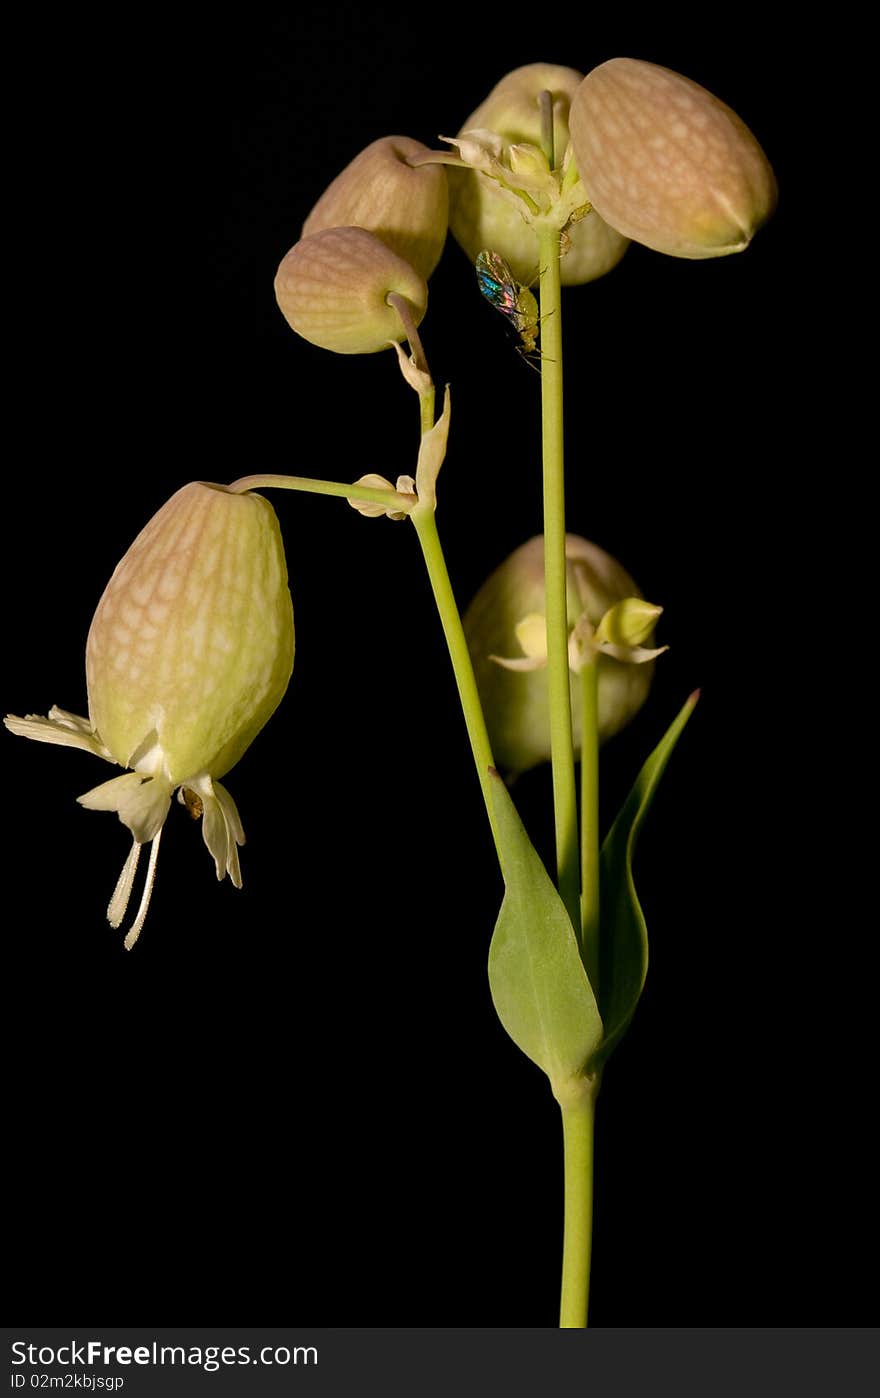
(641, 153)
(636, 152)
(357, 279)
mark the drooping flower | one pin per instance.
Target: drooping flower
(189, 653)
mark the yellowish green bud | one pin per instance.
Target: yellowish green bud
(529, 166)
(628, 623)
(404, 204)
(510, 190)
(333, 288)
(506, 634)
(667, 163)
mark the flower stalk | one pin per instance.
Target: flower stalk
(589, 699)
(577, 1137)
(378, 495)
(582, 908)
(559, 684)
(426, 528)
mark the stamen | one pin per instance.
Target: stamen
(122, 891)
(135, 929)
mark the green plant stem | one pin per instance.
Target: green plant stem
(426, 529)
(559, 685)
(375, 494)
(589, 678)
(577, 1136)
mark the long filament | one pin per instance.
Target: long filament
(135, 929)
(122, 891)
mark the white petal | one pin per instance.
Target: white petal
(236, 832)
(221, 828)
(479, 148)
(215, 833)
(370, 508)
(630, 655)
(233, 819)
(142, 803)
(531, 633)
(65, 729)
(525, 662)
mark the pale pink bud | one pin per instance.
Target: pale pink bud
(333, 288)
(667, 163)
(406, 205)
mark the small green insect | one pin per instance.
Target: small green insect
(515, 302)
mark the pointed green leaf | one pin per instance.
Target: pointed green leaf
(623, 952)
(539, 986)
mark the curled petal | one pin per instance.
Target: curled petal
(581, 645)
(431, 456)
(531, 633)
(142, 803)
(480, 149)
(524, 663)
(221, 828)
(630, 655)
(372, 509)
(418, 379)
(66, 729)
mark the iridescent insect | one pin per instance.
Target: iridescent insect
(515, 302)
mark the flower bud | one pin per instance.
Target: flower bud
(191, 647)
(505, 618)
(667, 163)
(628, 623)
(484, 213)
(332, 288)
(405, 205)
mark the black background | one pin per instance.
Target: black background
(294, 1102)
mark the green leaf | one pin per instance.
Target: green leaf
(623, 948)
(538, 982)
